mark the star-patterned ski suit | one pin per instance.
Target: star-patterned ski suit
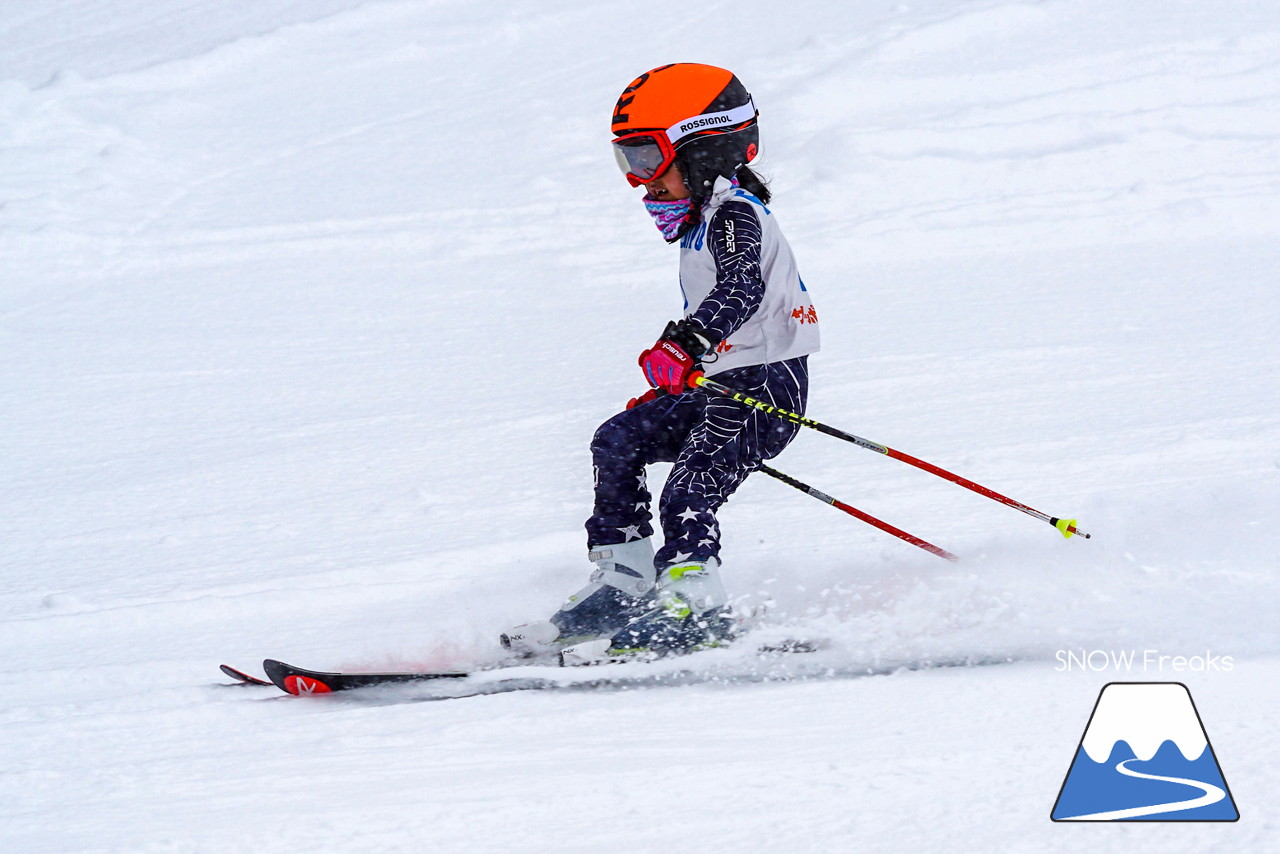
(741, 285)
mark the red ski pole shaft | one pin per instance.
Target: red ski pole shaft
(858, 514)
(1066, 526)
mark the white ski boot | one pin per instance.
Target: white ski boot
(620, 589)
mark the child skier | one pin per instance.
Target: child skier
(687, 132)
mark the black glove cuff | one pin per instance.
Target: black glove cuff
(691, 337)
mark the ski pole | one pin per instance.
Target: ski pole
(858, 514)
(1066, 526)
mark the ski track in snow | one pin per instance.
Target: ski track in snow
(309, 311)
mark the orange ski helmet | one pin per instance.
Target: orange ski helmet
(698, 116)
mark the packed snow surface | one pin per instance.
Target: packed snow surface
(308, 313)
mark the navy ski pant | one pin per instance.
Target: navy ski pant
(714, 443)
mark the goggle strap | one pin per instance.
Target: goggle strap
(709, 121)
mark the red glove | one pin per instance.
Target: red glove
(651, 394)
(668, 364)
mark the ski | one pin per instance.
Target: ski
(519, 674)
(241, 677)
(618, 674)
(300, 681)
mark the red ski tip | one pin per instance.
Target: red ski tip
(241, 677)
(299, 685)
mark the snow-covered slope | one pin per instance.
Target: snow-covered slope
(309, 311)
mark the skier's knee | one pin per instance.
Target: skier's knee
(614, 438)
(699, 461)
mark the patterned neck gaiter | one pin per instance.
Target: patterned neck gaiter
(668, 216)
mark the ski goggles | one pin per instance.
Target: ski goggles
(643, 156)
(646, 154)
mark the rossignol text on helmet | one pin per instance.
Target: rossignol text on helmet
(698, 116)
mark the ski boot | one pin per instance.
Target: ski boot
(690, 613)
(620, 589)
